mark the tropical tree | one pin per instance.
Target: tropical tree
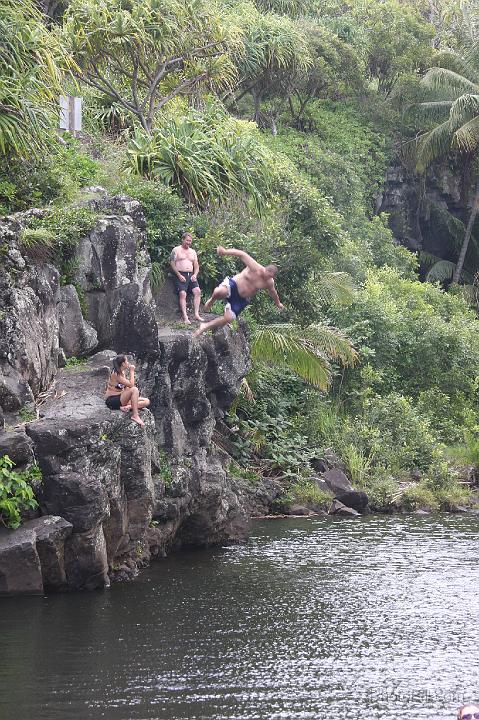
(452, 102)
(274, 51)
(31, 60)
(335, 71)
(396, 35)
(144, 53)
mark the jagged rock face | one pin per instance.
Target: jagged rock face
(32, 557)
(417, 207)
(77, 337)
(104, 477)
(38, 319)
(114, 269)
(28, 323)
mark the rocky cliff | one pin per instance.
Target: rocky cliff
(112, 493)
(423, 210)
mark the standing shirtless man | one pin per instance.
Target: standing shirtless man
(239, 290)
(184, 263)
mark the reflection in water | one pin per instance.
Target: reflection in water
(378, 615)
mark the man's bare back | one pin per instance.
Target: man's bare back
(249, 281)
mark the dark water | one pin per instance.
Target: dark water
(371, 618)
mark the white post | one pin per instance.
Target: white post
(71, 114)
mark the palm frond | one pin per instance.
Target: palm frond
(435, 110)
(466, 138)
(463, 109)
(441, 78)
(332, 342)
(335, 287)
(272, 344)
(433, 144)
(441, 270)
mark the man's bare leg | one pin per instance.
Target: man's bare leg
(219, 293)
(213, 324)
(196, 304)
(182, 303)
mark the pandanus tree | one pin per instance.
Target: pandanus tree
(31, 61)
(274, 51)
(144, 53)
(451, 90)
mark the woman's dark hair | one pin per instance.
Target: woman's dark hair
(117, 362)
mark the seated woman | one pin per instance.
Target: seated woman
(121, 393)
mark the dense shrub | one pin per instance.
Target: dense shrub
(16, 493)
(55, 178)
(416, 337)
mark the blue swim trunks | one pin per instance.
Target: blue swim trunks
(235, 303)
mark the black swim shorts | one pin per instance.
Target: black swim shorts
(236, 303)
(186, 286)
(113, 402)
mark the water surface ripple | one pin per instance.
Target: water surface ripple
(369, 618)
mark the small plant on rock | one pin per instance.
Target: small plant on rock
(16, 493)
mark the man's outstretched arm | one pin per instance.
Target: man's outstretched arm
(273, 294)
(242, 255)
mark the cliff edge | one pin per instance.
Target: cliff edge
(112, 494)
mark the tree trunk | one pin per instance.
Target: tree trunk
(257, 94)
(467, 237)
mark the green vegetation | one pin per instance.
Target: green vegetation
(16, 492)
(54, 235)
(165, 469)
(270, 126)
(73, 363)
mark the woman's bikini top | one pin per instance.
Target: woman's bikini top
(118, 386)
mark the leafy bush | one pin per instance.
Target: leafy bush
(56, 234)
(16, 493)
(307, 492)
(207, 157)
(425, 338)
(382, 491)
(419, 497)
(165, 212)
(34, 182)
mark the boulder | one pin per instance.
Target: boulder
(113, 271)
(51, 533)
(328, 461)
(298, 510)
(337, 482)
(320, 483)
(20, 568)
(77, 337)
(337, 508)
(356, 499)
(18, 446)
